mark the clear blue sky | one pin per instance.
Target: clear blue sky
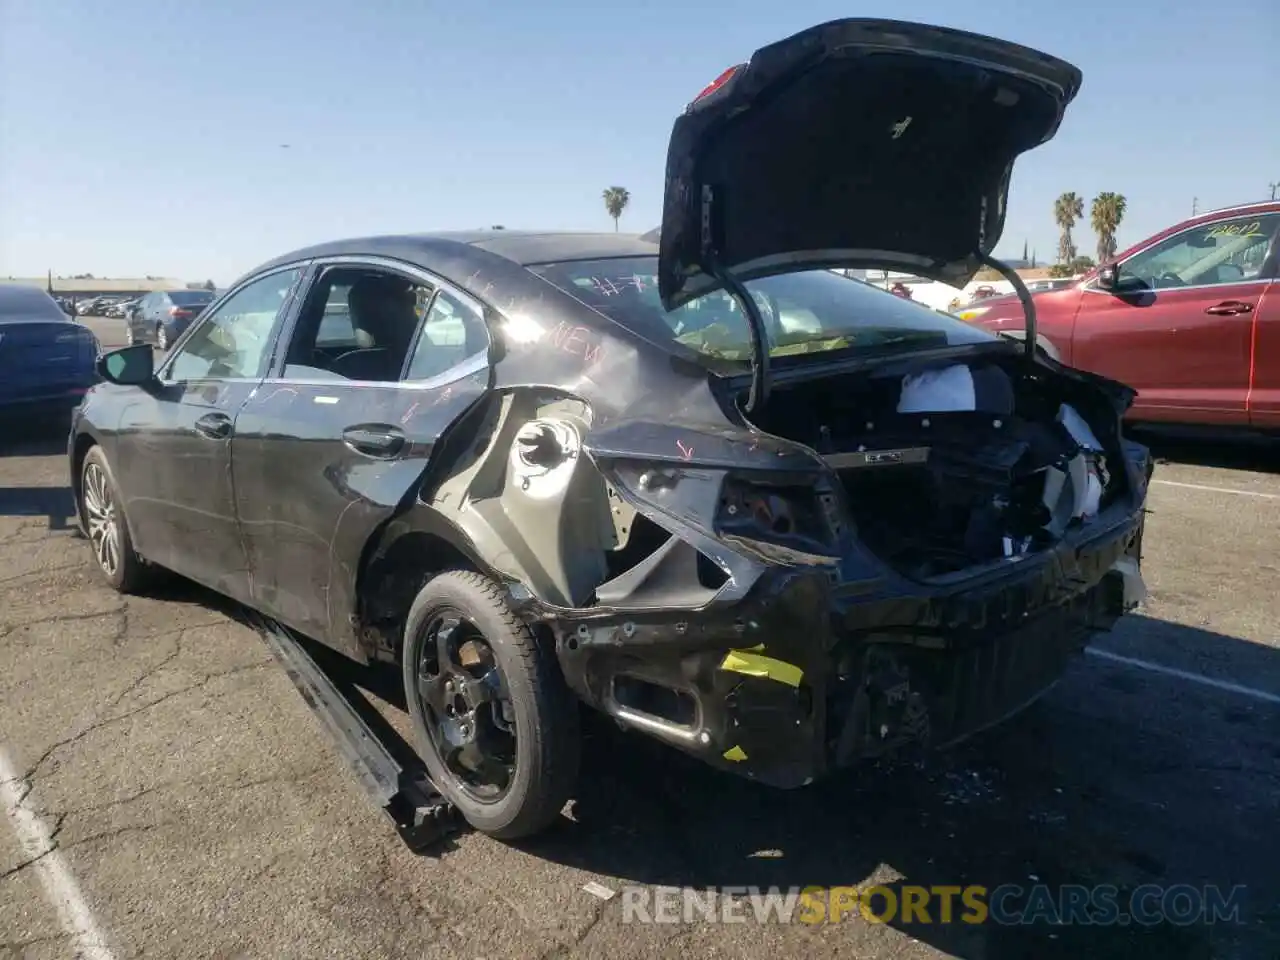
(144, 137)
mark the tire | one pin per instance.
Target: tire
(129, 573)
(162, 337)
(543, 709)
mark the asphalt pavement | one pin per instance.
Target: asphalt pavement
(167, 793)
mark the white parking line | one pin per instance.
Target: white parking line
(1201, 486)
(59, 885)
(1263, 695)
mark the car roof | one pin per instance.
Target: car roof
(1256, 206)
(521, 247)
(490, 265)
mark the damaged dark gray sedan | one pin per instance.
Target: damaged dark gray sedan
(771, 515)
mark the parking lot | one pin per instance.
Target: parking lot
(195, 808)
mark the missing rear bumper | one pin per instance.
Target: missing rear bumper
(804, 676)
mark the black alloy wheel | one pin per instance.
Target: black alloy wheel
(497, 725)
(467, 706)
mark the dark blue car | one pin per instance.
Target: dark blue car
(163, 316)
(46, 358)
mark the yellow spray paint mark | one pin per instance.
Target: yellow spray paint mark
(736, 754)
(754, 665)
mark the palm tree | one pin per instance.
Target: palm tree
(1105, 214)
(1067, 209)
(615, 201)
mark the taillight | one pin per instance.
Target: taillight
(88, 347)
(718, 83)
(179, 313)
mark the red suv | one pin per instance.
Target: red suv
(1190, 318)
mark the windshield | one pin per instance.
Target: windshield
(805, 312)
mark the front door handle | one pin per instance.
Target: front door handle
(215, 426)
(1229, 308)
(382, 442)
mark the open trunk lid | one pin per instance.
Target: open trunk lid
(855, 143)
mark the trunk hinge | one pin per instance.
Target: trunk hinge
(1024, 297)
(708, 199)
(759, 338)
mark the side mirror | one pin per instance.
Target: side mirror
(129, 366)
(1109, 277)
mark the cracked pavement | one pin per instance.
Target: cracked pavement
(203, 814)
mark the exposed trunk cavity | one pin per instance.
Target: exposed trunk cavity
(947, 468)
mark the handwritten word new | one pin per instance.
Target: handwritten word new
(574, 340)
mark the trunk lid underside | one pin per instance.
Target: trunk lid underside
(864, 143)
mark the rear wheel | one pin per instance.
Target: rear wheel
(105, 526)
(497, 725)
(162, 337)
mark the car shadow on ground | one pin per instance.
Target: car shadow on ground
(54, 503)
(1255, 455)
(1115, 779)
(39, 437)
(36, 439)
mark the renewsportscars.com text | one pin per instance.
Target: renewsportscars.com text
(906, 905)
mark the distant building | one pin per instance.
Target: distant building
(84, 287)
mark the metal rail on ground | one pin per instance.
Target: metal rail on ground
(422, 816)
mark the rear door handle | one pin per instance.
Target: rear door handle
(382, 442)
(1229, 308)
(215, 426)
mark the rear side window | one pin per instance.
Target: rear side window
(453, 331)
(190, 298)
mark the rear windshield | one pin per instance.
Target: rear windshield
(805, 312)
(17, 300)
(187, 298)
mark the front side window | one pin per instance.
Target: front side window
(234, 341)
(1227, 251)
(808, 312)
